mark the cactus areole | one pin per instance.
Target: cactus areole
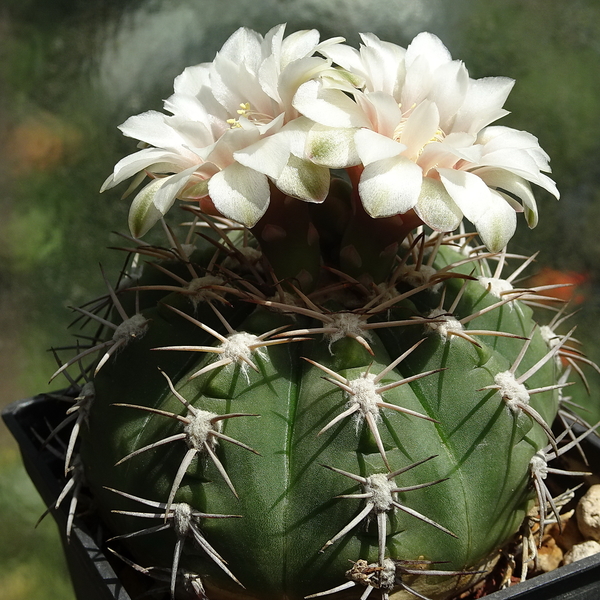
(321, 384)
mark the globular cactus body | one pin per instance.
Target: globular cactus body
(321, 389)
(471, 447)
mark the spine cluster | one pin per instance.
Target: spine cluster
(237, 411)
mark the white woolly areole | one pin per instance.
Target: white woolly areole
(384, 292)
(549, 336)
(511, 390)
(364, 393)
(387, 576)
(251, 255)
(495, 285)
(381, 490)
(417, 277)
(199, 288)
(447, 323)
(182, 518)
(199, 428)
(84, 400)
(133, 328)
(552, 340)
(346, 324)
(238, 346)
(88, 390)
(538, 464)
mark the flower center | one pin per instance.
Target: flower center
(245, 111)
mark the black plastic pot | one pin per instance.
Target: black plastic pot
(94, 577)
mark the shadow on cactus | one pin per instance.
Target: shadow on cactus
(321, 385)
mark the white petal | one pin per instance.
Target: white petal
(143, 214)
(436, 208)
(498, 224)
(469, 192)
(346, 57)
(493, 217)
(268, 156)
(328, 107)
(332, 147)
(243, 47)
(297, 73)
(483, 103)
(382, 110)
(449, 91)
(192, 80)
(431, 47)
(240, 194)
(152, 127)
(372, 146)
(297, 45)
(154, 201)
(305, 180)
(233, 140)
(134, 163)
(390, 186)
(515, 185)
(420, 128)
(383, 64)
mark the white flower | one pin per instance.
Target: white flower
(419, 125)
(232, 128)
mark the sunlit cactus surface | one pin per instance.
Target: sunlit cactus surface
(322, 385)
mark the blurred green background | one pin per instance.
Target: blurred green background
(72, 70)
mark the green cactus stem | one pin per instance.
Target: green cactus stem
(257, 439)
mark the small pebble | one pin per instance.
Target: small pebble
(588, 513)
(549, 555)
(580, 551)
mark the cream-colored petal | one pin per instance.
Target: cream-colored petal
(240, 194)
(372, 146)
(304, 180)
(436, 208)
(390, 186)
(493, 217)
(154, 201)
(332, 147)
(329, 107)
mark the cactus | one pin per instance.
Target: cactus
(316, 386)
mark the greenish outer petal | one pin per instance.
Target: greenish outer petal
(390, 186)
(240, 193)
(303, 179)
(436, 208)
(287, 498)
(332, 147)
(154, 201)
(143, 214)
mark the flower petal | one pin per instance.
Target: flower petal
(436, 208)
(516, 186)
(493, 217)
(372, 146)
(328, 106)
(390, 186)
(483, 103)
(240, 194)
(154, 201)
(332, 147)
(305, 180)
(268, 156)
(153, 128)
(498, 223)
(420, 127)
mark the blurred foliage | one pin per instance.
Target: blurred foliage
(72, 70)
(30, 565)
